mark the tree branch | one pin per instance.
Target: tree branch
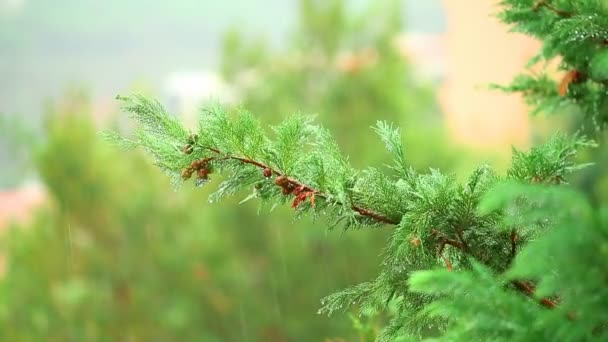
(444, 240)
(447, 241)
(292, 184)
(296, 186)
(523, 286)
(529, 289)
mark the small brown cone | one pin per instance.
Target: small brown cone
(203, 173)
(186, 173)
(415, 241)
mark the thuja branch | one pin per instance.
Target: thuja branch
(377, 217)
(443, 241)
(525, 287)
(529, 289)
(288, 185)
(303, 163)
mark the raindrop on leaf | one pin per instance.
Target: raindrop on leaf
(201, 182)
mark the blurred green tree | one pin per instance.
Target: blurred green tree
(118, 256)
(109, 259)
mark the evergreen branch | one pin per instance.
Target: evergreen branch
(447, 241)
(301, 190)
(529, 289)
(444, 240)
(373, 215)
(431, 210)
(525, 287)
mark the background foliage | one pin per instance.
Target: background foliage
(118, 255)
(481, 229)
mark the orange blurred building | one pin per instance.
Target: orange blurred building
(480, 50)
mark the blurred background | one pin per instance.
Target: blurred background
(96, 245)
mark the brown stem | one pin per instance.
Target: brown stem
(546, 4)
(448, 263)
(514, 238)
(461, 238)
(374, 215)
(444, 240)
(529, 289)
(525, 287)
(447, 241)
(303, 187)
(258, 164)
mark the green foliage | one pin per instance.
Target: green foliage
(574, 32)
(117, 254)
(392, 140)
(568, 263)
(552, 287)
(513, 257)
(549, 162)
(485, 310)
(435, 216)
(599, 66)
(238, 146)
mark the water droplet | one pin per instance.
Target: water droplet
(201, 182)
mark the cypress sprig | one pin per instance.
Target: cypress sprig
(435, 220)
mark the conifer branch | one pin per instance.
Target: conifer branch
(302, 191)
(377, 217)
(448, 263)
(305, 164)
(523, 286)
(444, 240)
(529, 289)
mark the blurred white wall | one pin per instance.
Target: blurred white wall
(185, 91)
